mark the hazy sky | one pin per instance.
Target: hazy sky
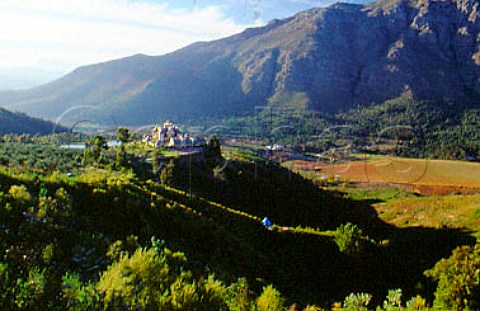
(61, 35)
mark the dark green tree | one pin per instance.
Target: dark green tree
(270, 300)
(123, 135)
(213, 152)
(155, 162)
(214, 147)
(96, 145)
(166, 175)
(121, 157)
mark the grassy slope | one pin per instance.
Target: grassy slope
(436, 211)
(404, 209)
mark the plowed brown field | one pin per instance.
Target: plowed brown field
(423, 176)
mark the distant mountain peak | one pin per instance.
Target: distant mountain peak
(333, 58)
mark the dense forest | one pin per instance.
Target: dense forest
(92, 229)
(435, 129)
(403, 126)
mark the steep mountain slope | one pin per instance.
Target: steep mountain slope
(337, 57)
(20, 123)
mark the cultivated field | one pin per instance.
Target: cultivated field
(423, 176)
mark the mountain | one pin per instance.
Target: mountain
(330, 59)
(20, 123)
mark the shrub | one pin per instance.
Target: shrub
(156, 279)
(357, 302)
(270, 300)
(458, 279)
(184, 295)
(394, 300)
(213, 293)
(76, 294)
(166, 174)
(5, 290)
(32, 290)
(135, 278)
(20, 193)
(47, 254)
(416, 303)
(348, 238)
(239, 298)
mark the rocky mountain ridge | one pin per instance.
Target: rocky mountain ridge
(338, 57)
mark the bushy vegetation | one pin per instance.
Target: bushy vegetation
(349, 239)
(107, 237)
(458, 280)
(54, 253)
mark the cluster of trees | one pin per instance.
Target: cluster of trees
(48, 154)
(99, 153)
(40, 158)
(433, 129)
(402, 126)
(52, 139)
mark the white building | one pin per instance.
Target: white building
(169, 136)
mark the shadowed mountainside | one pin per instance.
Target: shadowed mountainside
(19, 123)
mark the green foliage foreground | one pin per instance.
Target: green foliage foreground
(84, 242)
(154, 278)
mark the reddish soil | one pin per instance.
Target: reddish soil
(367, 175)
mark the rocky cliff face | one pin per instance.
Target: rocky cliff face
(338, 56)
(350, 54)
